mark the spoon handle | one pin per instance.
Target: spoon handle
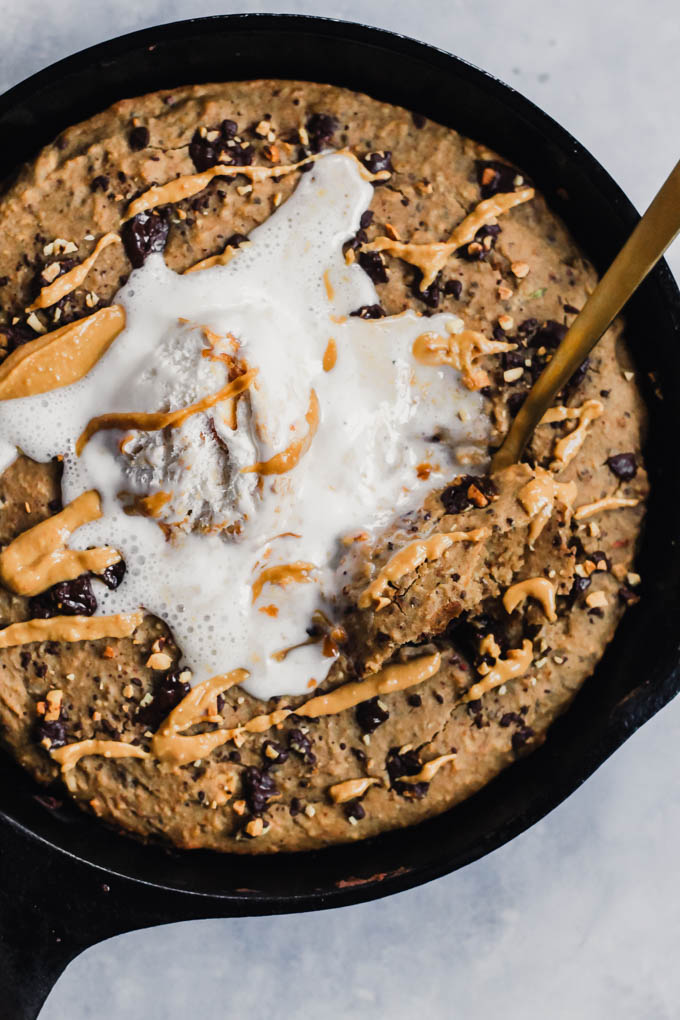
(639, 255)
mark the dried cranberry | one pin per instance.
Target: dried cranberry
(503, 177)
(145, 233)
(376, 162)
(168, 691)
(373, 265)
(68, 598)
(54, 731)
(370, 715)
(138, 138)
(112, 575)
(369, 312)
(302, 745)
(320, 127)
(623, 465)
(258, 789)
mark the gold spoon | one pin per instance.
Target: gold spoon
(639, 255)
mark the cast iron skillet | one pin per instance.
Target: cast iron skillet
(65, 881)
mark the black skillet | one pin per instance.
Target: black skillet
(66, 882)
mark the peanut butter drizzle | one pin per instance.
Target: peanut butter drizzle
(190, 184)
(387, 681)
(538, 497)
(538, 588)
(514, 665)
(330, 355)
(149, 506)
(285, 461)
(489, 646)
(282, 574)
(63, 285)
(69, 755)
(429, 770)
(408, 559)
(340, 793)
(608, 503)
(38, 558)
(430, 258)
(460, 350)
(157, 420)
(70, 628)
(60, 357)
(565, 449)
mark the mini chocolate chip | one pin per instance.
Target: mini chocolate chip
(99, 183)
(600, 557)
(143, 234)
(67, 598)
(235, 240)
(578, 587)
(431, 296)
(521, 737)
(235, 756)
(455, 497)
(372, 264)
(628, 596)
(406, 764)
(320, 127)
(551, 334)
(229, 129)
(369, 312)
(302, 745)
(503, 177)
(418, 120)
(366, 219)
(515, 401)
(414, 700)
(138, 138)
(570, 310)
(17, 335)
(113, 574)
(370, 715)
(168, 691)
(623, 465)
(477, 251)
(295, 806)
(258, 788)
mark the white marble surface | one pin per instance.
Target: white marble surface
(581, 915)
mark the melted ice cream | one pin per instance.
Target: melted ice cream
(378, 411)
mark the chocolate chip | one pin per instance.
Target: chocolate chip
(67, 598)
(477, 250)
(168, 691)
(551, 334)
(511, 717)
(578, 587)
(235, 240)
(302, 745)
(138, 138)
(418, 120)
(273, 754)
(54, 731)
(406, 764)
(503, 177)
(359, 754)
(354, 810)
(113, 574)
(414, 700)
(143, 234)
(455, 497)
(239, 155)
(17, 335)
(369, 312)
(431, 295)
(320, 127)
(373, 265)
(628, 596)
(453, 288)
(570, 310)
(99, 183)
(521, 737)
(623, 465)
(366, 219)
(295, 806)
(258, 788)
(375, 162)
(229, 129)
(370, 715)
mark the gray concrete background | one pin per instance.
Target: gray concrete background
(580, 917)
